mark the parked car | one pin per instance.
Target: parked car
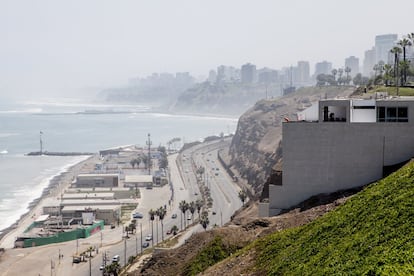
(169, 232)
(148, 237)
(173, 216)
(214, 212)
(137, 216)
(102, 267)
(145, 244)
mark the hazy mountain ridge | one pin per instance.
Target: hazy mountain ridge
(222, 98)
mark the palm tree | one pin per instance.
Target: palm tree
(347, 71)
(334, 72)
(161, 212)
(151, 214)
(404, 43)
(387, 73)
(242, 195)
(174, 230)
(204, 220)
(198, 204)
(340, 73)
(183, 207)
(396, 51)
(192, 208)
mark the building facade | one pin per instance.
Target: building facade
(383, 45)
(248, 73)
(352, 63)
(345, 144)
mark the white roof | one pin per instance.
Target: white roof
(87, 195)
(89, 208)
(145, 178)
(80, 202)
(42, 218)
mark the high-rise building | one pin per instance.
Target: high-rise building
(353, 63)
(248, 73)
(303, 73)
(369, 62)
(383, 45)
(212, 76)
(323, 67)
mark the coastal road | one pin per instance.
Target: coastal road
(45, 260)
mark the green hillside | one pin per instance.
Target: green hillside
(371, 234)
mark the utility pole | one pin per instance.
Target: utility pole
(141, 238)
(125, 260)
(149, 143)
(41, 143)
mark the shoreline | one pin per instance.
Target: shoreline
(56, 185)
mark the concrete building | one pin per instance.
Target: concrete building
(323, 67)
(383, 45)
(353, 63)
(248, 73)
(369, 62)
(138, 180)
(108, 213)
(342, 144)
(96, 180)
(303, 73)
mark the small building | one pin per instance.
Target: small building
(138, 181)
(91, 195)
(96, 180)
(345, 144)
(108, 213)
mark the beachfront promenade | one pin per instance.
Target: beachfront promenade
(44, 260)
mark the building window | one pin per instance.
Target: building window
(392, 114)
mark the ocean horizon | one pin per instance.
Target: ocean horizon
(79, 127)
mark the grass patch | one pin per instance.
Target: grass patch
(371, 234)
(211, 254)
(392, 91)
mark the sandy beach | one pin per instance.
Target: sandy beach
(55, 188)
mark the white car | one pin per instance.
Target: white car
(148, 237)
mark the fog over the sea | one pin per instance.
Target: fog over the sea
(77, 47)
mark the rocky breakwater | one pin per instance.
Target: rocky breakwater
(255, 151)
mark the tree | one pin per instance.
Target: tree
(357, 80)
(183, 205)
(334, 72)
(151, 214)
(404, 43)
(174, 230)
(132, 162)
(113, 268)
(242, 195)
(340, 73)
(396, 51)
(347, 72)
(204, 220)
(198, 204)
(192, 208)
(387, 74)
(161, 212)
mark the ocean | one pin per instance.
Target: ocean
(78, 127)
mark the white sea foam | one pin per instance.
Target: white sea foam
(13, 208)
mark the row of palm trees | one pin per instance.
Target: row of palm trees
(189, 206)
(401, 67)
(160, 213)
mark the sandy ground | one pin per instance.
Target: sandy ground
(63, 182)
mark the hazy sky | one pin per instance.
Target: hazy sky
(54, 46)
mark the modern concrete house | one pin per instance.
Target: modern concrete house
(341, 144)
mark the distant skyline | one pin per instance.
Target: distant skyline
(51, 47)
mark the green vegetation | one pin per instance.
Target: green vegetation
(403, 91)
(211, 254)
(371, 234)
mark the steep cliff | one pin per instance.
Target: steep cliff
(255, 150)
